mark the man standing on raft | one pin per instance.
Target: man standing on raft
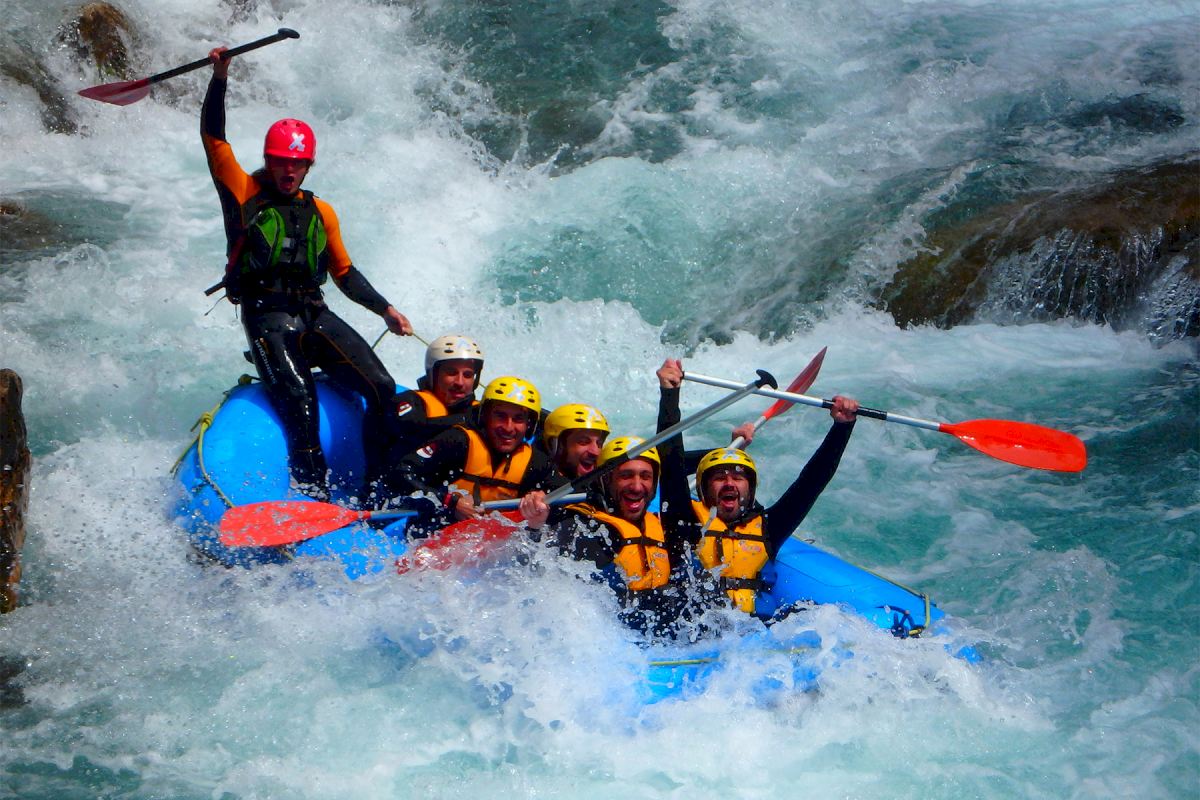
(282, 245)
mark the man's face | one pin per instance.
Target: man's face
(453, 380)
(504, 426)
(287, 173)
(578, 451)
(728, 488)
(631, 488)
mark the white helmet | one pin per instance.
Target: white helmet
(451, 347)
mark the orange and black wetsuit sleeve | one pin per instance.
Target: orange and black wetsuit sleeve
(234, 185)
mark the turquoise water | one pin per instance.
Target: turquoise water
(588, 188)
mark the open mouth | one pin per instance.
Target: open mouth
(634, 502)
(729, 500)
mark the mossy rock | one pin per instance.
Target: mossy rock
(1101, 254)
(102, 35)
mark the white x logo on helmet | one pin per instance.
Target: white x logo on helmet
(297, 142)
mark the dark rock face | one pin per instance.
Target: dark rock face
(56, 113)
(1125, 252)
(100, 36)
(14, 488)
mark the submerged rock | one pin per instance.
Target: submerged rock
(1124, 252)
(14, 487)
(24, 232)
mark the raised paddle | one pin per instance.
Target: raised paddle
(764, 379)
(1020, 443)
(799, 384)
(123, 93)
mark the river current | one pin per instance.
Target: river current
(588, 188)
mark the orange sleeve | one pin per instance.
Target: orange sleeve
(227, 173)
(339, 259)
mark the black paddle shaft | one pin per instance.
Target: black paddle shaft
(283, 33)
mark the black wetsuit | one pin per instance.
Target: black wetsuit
(288, 326)
(411, 426)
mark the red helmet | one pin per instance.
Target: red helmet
(291, 138)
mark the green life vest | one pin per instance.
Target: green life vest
(284, 247)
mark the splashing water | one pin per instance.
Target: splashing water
(587, 188)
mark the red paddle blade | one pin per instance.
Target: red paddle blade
(465, 542)
(284, 522)
(800, 385)
(1022, 443)
(121, 93)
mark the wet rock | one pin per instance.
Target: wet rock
(1123, 252)
(101, 34)
(1138, 112)
(14, 487)
(56, 113)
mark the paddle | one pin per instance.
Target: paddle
(123, 93)
(1020, 443)
(764, 379)
(798, 385)
(276, 522)
(472, 540)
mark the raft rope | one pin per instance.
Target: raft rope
(203, 424)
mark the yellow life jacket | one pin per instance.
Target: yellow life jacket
(486, 482)
(433, 406)
(641, 555)
(740, 554)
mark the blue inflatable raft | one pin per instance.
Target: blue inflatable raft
(239, 456)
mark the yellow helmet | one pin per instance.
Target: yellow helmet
(571, 417)
(726, 457)
(623, 444)
(518, 391)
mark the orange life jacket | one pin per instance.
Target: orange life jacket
(486, 482)
(433, 406)
(641, 555)
(740, 555)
